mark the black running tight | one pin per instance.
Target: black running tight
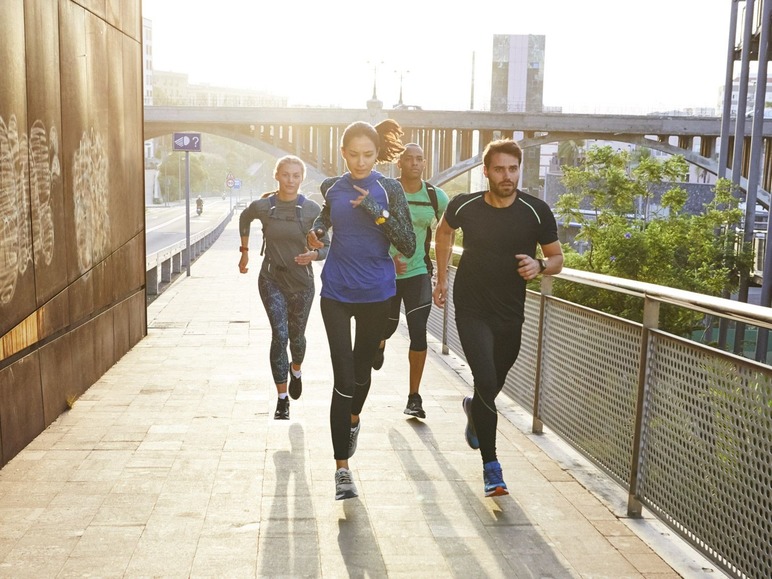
(491, 348)
(351, 366)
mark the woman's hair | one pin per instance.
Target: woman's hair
(385, 136)
(507, 146)
(289, 159)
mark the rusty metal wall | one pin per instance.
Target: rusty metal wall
(72, 244)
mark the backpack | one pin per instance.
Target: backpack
(435, 205)
(298, 213)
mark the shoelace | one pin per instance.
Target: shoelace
(344, 477)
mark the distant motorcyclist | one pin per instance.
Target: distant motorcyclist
(199, 205)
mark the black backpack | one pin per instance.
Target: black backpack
(298, 213)
(435, 205)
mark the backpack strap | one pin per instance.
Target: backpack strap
(298, 213)
(433, 198)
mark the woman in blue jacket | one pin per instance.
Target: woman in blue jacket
(366, 212)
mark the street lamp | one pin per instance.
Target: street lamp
(401, 74)
(375, 74)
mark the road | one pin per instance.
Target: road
(165, 225)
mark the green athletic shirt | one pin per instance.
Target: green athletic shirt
(422, 216)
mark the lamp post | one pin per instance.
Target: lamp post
(375, 75)
(401, 75)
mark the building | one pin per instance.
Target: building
(750, 102)
(517, 85)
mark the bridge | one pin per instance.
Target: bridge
(453, 140)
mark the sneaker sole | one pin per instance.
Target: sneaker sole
(346, 495)
(497, 492)
(471, 436)
(295, 390)
(414, 413)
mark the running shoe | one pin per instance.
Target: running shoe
(494, 481)
(344, 485)
(378, 359)
(282, 409)
(471, 434)
(415, 406)
(295, 387)
(353, 437)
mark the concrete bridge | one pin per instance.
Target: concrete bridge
(453, 140)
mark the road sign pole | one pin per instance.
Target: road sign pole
(187, 208)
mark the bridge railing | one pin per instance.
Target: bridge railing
(162, 266)
(685, 428)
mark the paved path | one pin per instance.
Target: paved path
(171, 465)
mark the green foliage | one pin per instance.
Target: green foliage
(691, 252)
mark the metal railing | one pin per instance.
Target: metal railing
(684, 427)
(163, 265)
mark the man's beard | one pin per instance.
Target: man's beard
(496, 190)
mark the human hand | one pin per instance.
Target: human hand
(440, 294)
(528, 267)
(313, 239)
(358, 200)
(307, 257)
(243, 262)
(400, 265)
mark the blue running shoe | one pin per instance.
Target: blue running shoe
(494, 481)
(471, 434)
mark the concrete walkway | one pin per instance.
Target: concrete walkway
(171, 465)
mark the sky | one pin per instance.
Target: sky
(605, 56)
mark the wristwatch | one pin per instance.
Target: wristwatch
(542, 265)
(384, 216)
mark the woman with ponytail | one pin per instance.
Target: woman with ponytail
(366, 213)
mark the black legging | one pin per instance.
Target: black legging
(416, 292)
(351, 367)
(491, 347)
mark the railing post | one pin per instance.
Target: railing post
(537, 426)
(650, 322)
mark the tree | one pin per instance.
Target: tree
(627, 239)
(569, 152)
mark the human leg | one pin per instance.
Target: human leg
(370, 322)
(392, 321)
(477, 340)
(276, 309)
(337, 322)
(417, 295)
(298, 310)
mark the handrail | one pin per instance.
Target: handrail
(677, 423)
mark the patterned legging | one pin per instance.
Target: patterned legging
(288, 316)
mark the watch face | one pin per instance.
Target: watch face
(385, 213)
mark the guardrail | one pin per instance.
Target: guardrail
(162, 266)
(685, 428)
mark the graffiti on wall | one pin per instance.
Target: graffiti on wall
(29, 169)
(89, 186)
(15, 237)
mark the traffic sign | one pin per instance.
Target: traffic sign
(237, 184)
(230, 182)
(186, 142)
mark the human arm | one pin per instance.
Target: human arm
(443, 249)
(323, 222)
(529, 267)
(245, 219)
(399, 226)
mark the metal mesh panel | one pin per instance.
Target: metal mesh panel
(706, 455)
(434, 325)
(589, 383)
(521, 381)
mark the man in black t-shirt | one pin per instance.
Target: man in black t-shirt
(502, 227)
